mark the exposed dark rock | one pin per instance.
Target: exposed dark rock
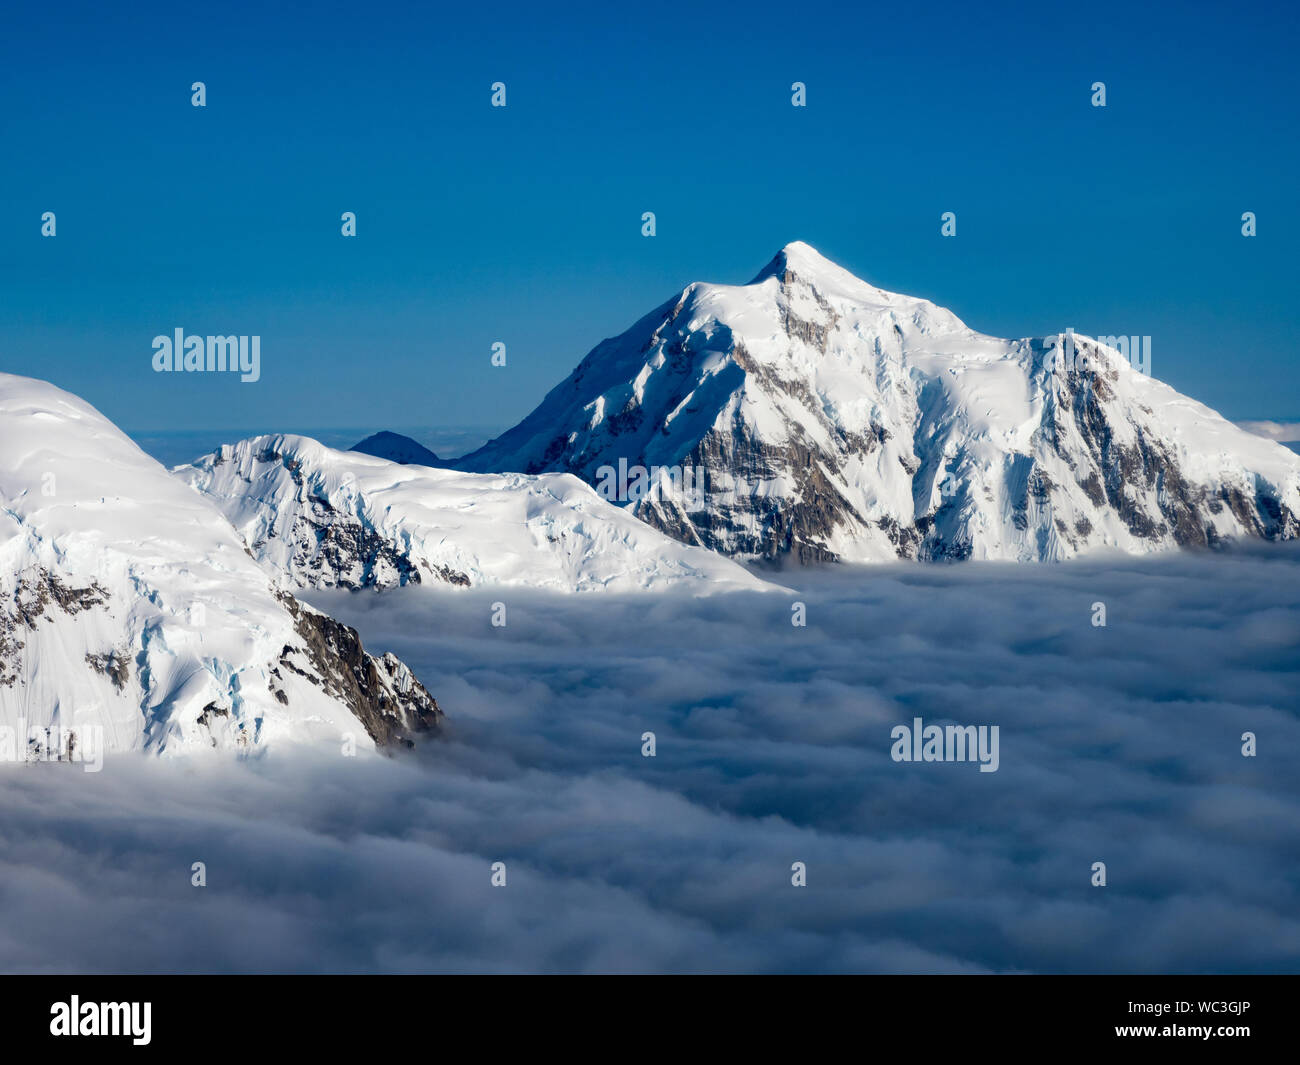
(382, 693)
(38, 594)
(210, 711)
(794, 487)
(114, 664)
(334, 549)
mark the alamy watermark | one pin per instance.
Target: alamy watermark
(77, 1018)
(920, 742)
(213, 354)
(631, 484)
(1066, 355)
(53, 743)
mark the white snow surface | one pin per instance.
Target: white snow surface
(810, 357)
(292, 500)
(172, 598)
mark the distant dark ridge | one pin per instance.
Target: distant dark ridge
(397, 448)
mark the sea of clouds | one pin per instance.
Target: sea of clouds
(1119, 744)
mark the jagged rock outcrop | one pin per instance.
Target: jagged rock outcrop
(382, 693)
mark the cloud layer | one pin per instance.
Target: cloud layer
(1282, 432)
(1118, 744)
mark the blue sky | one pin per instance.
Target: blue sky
(522, 224)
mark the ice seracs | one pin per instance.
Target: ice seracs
(129, 606)
(831, 419)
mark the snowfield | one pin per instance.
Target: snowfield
(833, 419)
(129, 605)
(330, 518)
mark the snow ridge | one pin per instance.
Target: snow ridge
(129, 606)
(330, 518)
(831, 419)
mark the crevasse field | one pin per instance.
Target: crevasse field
(1119, 744)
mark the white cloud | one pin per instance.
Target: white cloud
(1282, 432)
(1119, 744)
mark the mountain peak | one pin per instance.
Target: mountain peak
(397, 448)
(799, 252)
(800, 259)
(833, 419)
(800, 262)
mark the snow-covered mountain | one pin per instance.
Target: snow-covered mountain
(343, 519)
(397, 448)
(828, 418)
(129, 605)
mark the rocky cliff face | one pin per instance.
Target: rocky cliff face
(382, 693)
(829, 419)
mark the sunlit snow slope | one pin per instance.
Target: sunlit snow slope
(129, 604)
(344, 519)
(832, 419)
